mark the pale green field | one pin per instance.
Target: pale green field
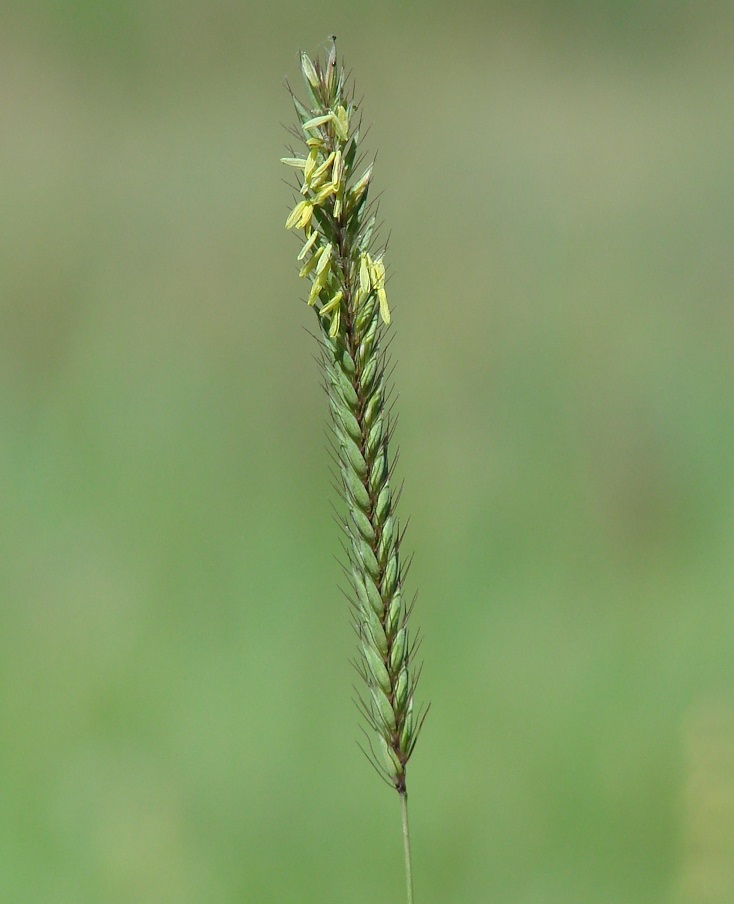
(175, 715)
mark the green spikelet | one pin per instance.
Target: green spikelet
(347, 292)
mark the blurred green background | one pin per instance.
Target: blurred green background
(175, 715)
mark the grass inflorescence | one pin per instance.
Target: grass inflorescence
(344, 265)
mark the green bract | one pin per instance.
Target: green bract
(346, 278)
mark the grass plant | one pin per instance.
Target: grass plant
(343, 261)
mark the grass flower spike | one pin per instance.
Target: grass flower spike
(346, 278)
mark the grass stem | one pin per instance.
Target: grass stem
(406, 847)
(346, 273)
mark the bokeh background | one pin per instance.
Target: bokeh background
(175, 715)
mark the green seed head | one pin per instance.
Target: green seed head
(345, 279)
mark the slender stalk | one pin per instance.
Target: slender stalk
(406, 846)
